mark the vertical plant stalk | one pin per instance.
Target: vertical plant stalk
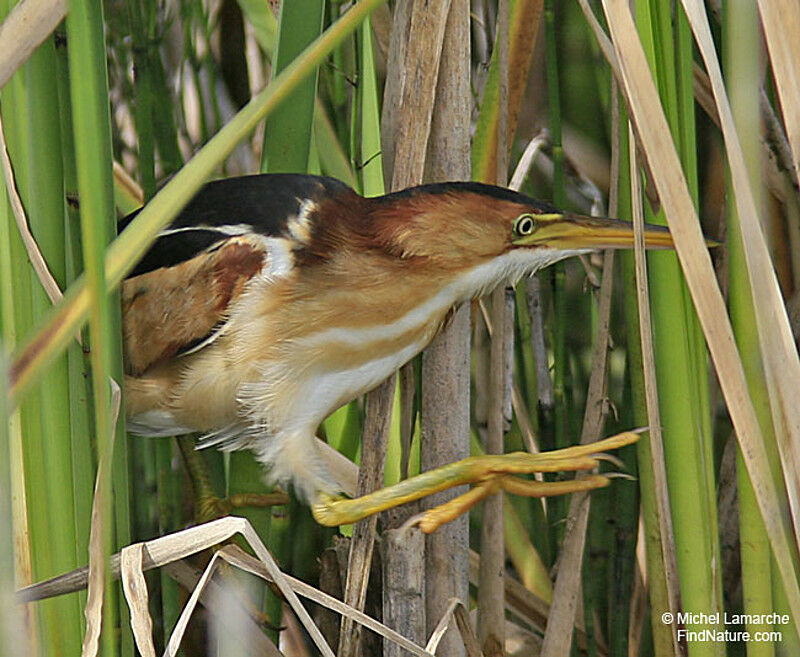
(680, 364)
(627, 593)
(491, 584)
(445, 412)
(656, 466)
(370, 478)
(14, 311)
(93, 163)
(556, 275)
(524, 19)
(13, 566)
(287, 137)
(44, 198)
(412, 80)
(658, 541)
(82, 450)
(741, 41)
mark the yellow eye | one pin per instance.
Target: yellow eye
(524, 225)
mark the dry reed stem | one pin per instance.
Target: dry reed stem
(411, 130)
(445, 391)
(370, 477)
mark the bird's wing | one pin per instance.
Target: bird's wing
(173, 310)
(179, 295)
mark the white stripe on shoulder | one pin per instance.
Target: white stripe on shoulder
(227, 230)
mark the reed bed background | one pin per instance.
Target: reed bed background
(686, 114)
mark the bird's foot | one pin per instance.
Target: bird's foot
(486, 474)
(211, 507)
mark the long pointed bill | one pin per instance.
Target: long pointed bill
(574, 231)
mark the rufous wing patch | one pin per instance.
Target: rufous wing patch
(171, 309)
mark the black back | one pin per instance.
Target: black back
(261, 203)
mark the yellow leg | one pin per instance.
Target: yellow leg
(487, 473)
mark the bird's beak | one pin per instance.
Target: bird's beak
(573, 231)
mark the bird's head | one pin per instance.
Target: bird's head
(461, 225)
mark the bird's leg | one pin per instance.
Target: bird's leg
(210, 505)
(487, 474)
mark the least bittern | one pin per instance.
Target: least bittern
(273, 300)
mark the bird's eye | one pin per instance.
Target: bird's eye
(524, 225)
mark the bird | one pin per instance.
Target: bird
(272, 300)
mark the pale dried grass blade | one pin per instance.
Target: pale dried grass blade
(188, 576)
(781, 363)
(667, 543)
(655, 138)
(237, 557)
(97, 570)
(222, 530)
(442, 626)
(250, 535)
(135, 589)
(526, 160)
(781, 22)
(186, 614)
(456, 613)
(25, 27)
